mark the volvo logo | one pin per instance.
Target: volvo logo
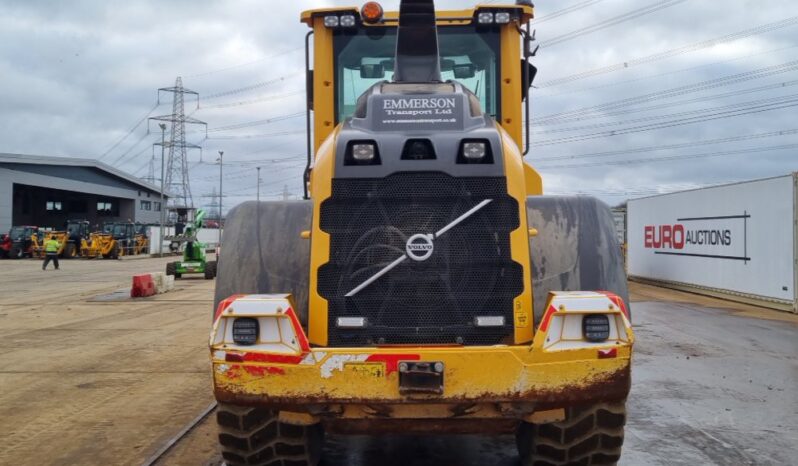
(420, 247)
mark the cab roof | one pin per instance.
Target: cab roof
(444, 16)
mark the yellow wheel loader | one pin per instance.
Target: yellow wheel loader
(426, 284)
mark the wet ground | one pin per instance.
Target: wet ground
(87, 381)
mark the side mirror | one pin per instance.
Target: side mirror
(388, 64)
(529, 74)
(372, 71)
(466, 71)
(447, 64)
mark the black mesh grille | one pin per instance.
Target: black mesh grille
(469, 274)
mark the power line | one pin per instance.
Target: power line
(671, 158)
(269, 98)
(667, 124)
(564, 11)
(627, 111)
(709, 110)
(252, 87)
(762, 29)
(131, 131)
(240, 65)
(628, 16)
(672, 92)
(670, 146)
(248, 124)
(660, 75)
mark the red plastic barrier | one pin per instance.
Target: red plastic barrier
(143, 286)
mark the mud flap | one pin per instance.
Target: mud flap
(576, 248)
(262, 252)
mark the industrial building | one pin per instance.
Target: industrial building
(48, 191)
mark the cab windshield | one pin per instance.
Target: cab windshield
(366, 57)
(120, 230)
(17, 233)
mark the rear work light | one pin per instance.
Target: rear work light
(596, 327)
(502, 17)
(363, 152)
(351, 322)
(245, 331)
(485, 17)
(331, 21)
(348, 21)
(489, 321)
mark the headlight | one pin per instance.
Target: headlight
(596, 327)
(331, 21)
(245, 331)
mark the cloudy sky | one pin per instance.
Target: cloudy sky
(633, 97)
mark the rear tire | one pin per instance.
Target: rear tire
(255, 437)
(16, 253)
(210, 270)
(171, 269)
(589, 435)
(69, 251)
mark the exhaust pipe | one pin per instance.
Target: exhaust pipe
(417, 55)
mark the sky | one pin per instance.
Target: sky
(632, 98)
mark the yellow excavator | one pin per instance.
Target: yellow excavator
(426, 285)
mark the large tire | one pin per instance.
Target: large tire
(255, 437)
(16, 253)
(576, 248)
(70, 252)
(171, 269)
(589, 435)
(114, 254)
(210, 270)
(264, 252)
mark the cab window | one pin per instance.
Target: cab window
(366, 57)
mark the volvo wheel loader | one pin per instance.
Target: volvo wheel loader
(426, 285)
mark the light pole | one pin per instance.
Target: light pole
(163, 144)
(221, 164)
(258, 184)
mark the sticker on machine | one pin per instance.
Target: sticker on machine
(396, 113)
(368, 369)
(521, 316)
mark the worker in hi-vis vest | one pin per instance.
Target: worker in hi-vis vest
(51, 247)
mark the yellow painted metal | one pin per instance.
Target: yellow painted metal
(323, 83)
(320, 189)
(534, 182)
(519, 238)
(472, 373)
(511, 112)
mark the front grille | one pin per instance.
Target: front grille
(469, 274)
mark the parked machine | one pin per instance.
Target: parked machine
(426, 285)
(20, 242)
(5, 246)
(194, 259)
(100, 245)
(142, 239)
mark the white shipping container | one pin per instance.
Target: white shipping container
(738, 239)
